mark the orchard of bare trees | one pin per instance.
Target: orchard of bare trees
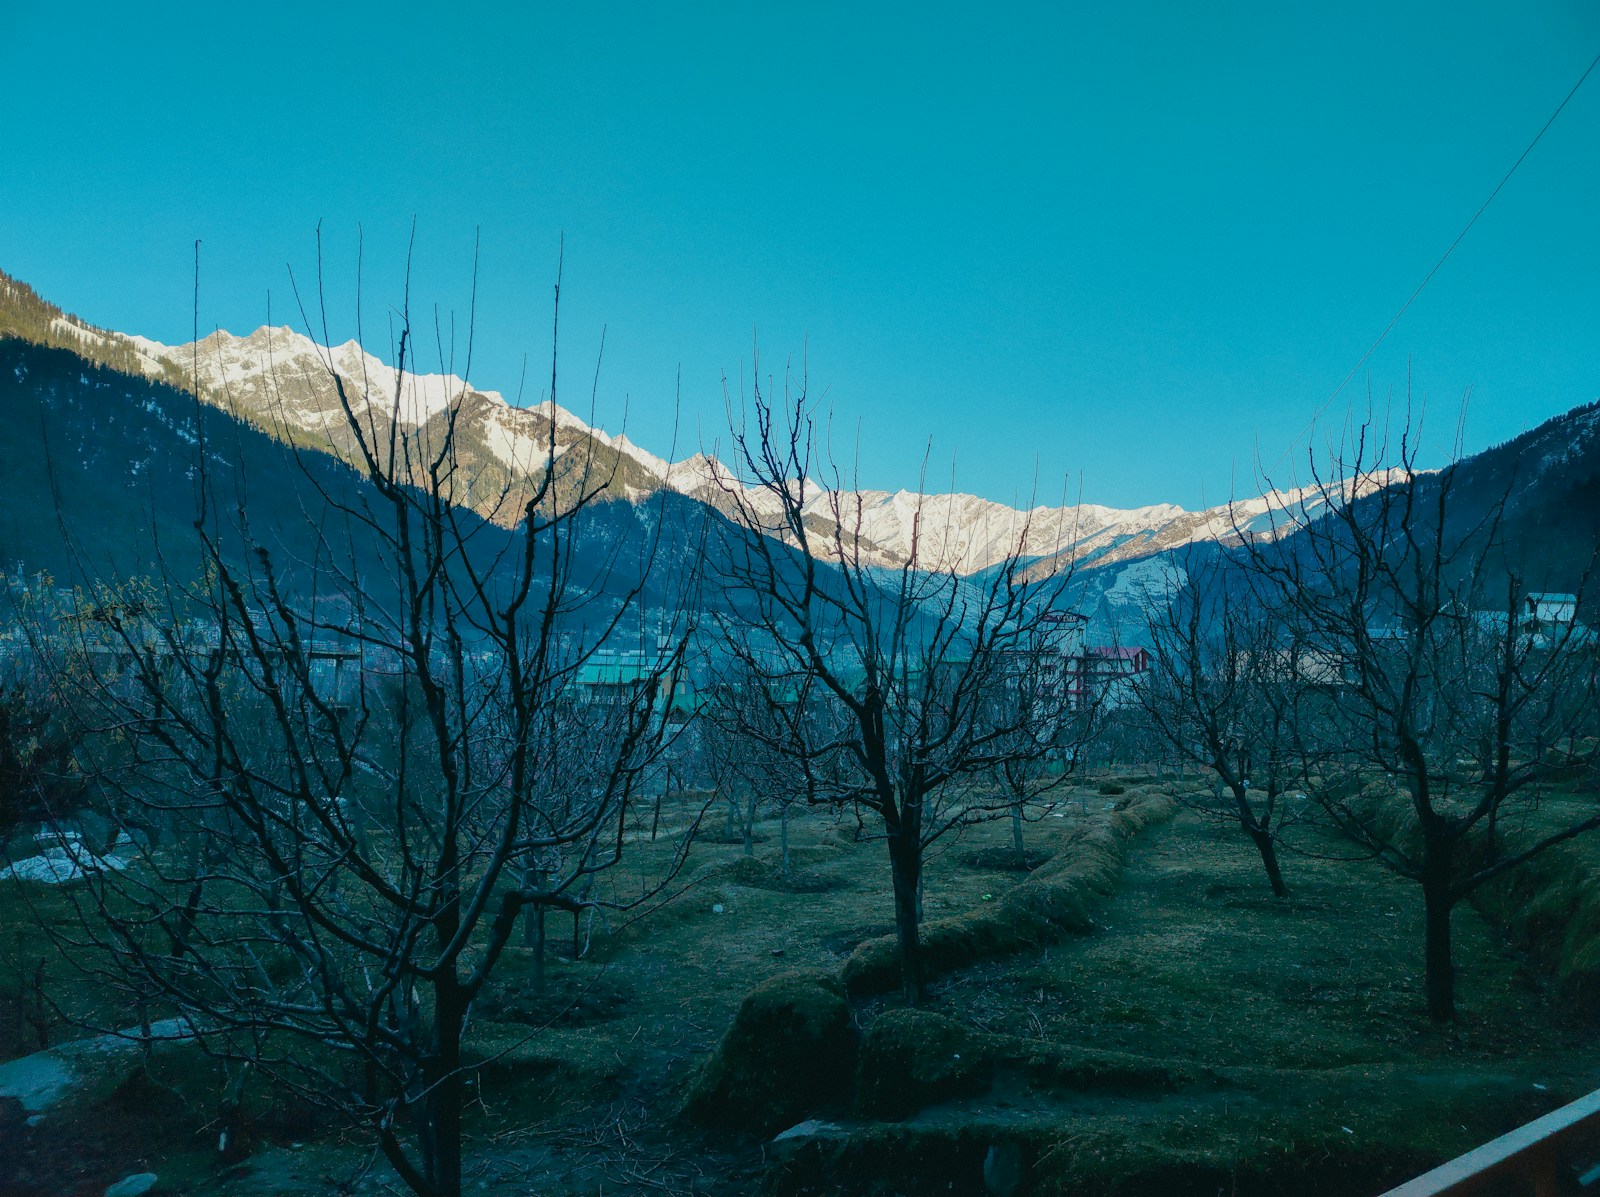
(345, 772)
(347, 769)
(343, 784)
(900, 692)
(1382, 663)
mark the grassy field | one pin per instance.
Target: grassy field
(1163, 1026)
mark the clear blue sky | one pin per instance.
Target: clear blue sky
(1129, 242)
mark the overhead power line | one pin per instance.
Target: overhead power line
(1443, 258)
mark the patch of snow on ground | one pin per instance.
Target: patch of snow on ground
(85, 1066)
(62, 865)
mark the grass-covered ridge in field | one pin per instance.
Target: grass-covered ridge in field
(1135, 1014)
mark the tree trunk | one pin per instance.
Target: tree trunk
(1257, 828)
(783, 838)
(533, 912)
(1268, 848)
(1016, 836)
(905, 865)
(537, 944)
(1440, 980)
(588, 932)
(441, 1106)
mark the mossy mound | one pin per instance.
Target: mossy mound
(1142, 809)
(1053, 900)
(1552, 903)
(1085, 871)
(839, 837)
(1204, 1159)
(1325, 1147)
(915, 1058)
(790, 1053)
(1180, 1147)
(905, 1159)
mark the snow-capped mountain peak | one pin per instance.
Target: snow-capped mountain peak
(280, 377)
(283, 381)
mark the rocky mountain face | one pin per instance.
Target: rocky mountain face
(105, 473)
(284, 383)
(284, 387)
(1547, 484)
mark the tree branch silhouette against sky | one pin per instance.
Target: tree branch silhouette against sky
(1133, 243)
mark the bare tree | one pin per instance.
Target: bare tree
(1227, 693)
(37, 773)
(1449, 706)
(906, 669)
(754, 734)
(358, 771)
(1041, 751)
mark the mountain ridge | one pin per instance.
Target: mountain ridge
(281, 381)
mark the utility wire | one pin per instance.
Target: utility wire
(1428, 278)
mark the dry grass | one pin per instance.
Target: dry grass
(1136, 1015)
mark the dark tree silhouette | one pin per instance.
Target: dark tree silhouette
(1449, 701)
(893, 689)
(355, 774)
(1230, 692)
